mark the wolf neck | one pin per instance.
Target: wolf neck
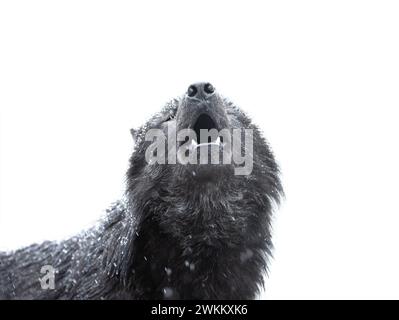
(195, 240)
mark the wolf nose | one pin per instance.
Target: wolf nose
(201, 90)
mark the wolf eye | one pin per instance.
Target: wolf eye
(170, 117)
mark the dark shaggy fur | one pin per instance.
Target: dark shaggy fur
(182, 231)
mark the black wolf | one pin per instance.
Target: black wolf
(183, 231)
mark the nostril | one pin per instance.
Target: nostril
(192, 91)
(208, 88)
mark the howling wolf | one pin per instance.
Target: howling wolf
(182, 231)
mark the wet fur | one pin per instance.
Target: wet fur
(172, 237)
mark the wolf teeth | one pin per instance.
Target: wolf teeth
(194, 145)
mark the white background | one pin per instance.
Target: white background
(320, 78)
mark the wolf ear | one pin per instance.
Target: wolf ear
(133, 132)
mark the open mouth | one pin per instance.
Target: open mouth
(204, 124)
(207, 139)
